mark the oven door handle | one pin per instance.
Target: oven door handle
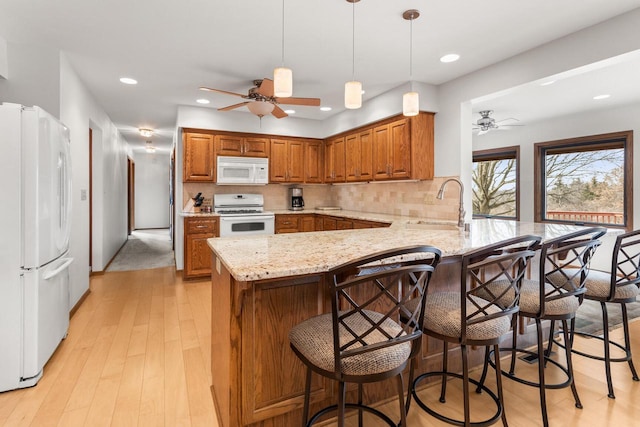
(252, 218)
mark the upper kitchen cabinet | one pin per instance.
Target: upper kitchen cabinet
(286, 163)
(395, 148)
(334, 160)
(199, 158)
(313, 162)
(358, 156)
(392, 150)
(240, 145)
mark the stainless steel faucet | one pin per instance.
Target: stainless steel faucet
(461, 211)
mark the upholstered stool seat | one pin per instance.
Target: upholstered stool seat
(313, 338)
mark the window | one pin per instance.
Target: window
(495, 183)
(585, 180)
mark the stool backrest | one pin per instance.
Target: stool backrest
(564, 264)
(369, 296)
(625, 263)
(501, 263)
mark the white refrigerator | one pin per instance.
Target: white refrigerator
(35, 185)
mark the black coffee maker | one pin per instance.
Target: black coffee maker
(296, 202)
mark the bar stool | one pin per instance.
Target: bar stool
(472, 316)
(619, 286)
(361, 340)
(556, 295)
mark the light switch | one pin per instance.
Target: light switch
(83, 194)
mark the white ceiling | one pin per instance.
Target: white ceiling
(173, 47)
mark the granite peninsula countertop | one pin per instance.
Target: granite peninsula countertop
(253, 258)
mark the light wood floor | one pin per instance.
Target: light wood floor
(138, 353)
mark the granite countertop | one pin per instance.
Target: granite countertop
(252, 258)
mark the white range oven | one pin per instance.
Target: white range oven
(243, 215)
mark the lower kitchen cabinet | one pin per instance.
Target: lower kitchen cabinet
(197, 255)
(295, 223)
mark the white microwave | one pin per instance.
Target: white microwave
(242, 170)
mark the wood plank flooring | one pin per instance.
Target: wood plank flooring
(138, 353)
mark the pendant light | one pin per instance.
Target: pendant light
(410, 100)
(282, 76)
(353, 89)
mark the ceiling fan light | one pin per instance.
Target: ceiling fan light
(353, 95)
(282, 82)
(410, 104)
(260, 108)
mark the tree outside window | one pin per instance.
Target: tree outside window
(585, 180)
(495, 183)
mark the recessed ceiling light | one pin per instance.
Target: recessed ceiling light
(363, 92)
(128, 81)
(290, 111)
(202, 101)
(325, 108)
(603, 96)
(550, 82)
(451, 57)
(147, 133)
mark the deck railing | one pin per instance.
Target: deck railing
(596, 217)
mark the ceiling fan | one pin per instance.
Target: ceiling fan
(261, 100)
(486, 123)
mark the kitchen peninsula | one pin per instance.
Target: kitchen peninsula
(264, 285)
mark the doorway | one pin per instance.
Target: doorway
(90, 200)
(131, 174)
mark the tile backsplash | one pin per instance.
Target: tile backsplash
(406, 198)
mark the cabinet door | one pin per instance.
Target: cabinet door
(307, 223)
(278, 161)
(229, 145)
(328, 161)
(319, 223)
(255, 147)
(352, 157)
(313, 162)
(329, 223)
(400, 150)
(339, 167)
(380, 152)
(198, 259)
(286, 223)
(365, 171)
(344, 224)
(199, 158)
(295, 161)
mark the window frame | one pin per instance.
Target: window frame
(501, 153)
(623, 139)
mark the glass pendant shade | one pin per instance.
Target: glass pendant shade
(260, 108)
(353, 95)
(410, 104)
(282, 82)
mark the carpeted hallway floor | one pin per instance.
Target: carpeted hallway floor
(143, 250)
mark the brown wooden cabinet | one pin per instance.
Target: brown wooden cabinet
(199, 159)
(358, 156)
(286, 163)
(197, 255)
(313, 161)
(334, 160)
(392, 151)
(294, 223)
(239, 145)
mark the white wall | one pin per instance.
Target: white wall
(79, 111)
(151, 189)
(4, 61)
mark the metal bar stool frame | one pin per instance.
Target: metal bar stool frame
(505, 261)
(350, 340)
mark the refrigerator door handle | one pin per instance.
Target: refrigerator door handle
(61, 268)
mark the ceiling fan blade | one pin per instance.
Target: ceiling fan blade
(278, 112)
(314, 102)
(231, 107)
(482, 132)
(509, 125)
(508, 118)
(208, 89)
(266, 87)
